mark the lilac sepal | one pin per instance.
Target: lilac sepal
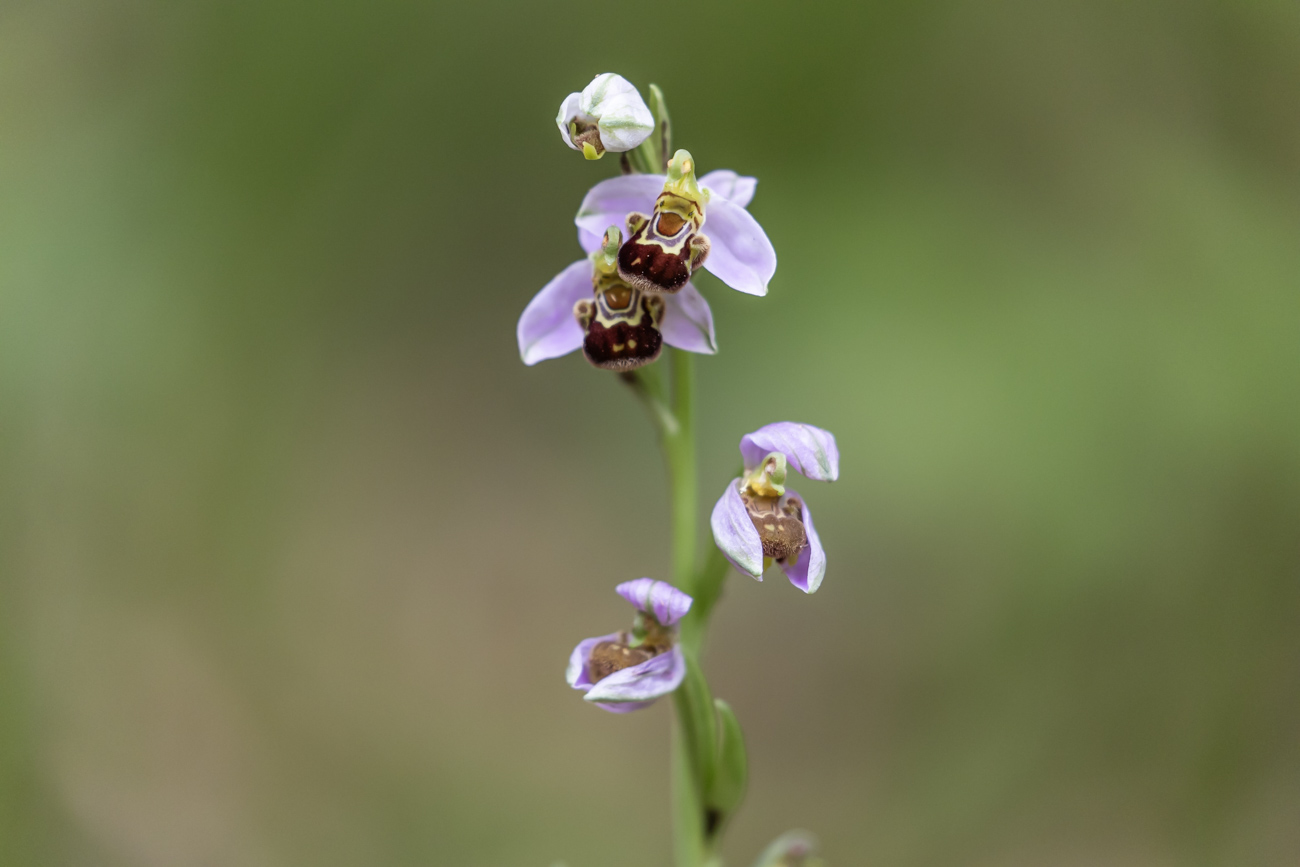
(663, 600)
(809, 451)
(641, 683)
(547, 328)
(610, 201)
(740, 253)
(688, 322)
(734, 533)
(809, 569)
(737, 189)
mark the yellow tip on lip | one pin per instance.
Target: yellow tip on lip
(590, 152)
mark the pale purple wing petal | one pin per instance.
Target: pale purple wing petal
(737, 189)
(610, 201)
(576, 673)
(663, 600)
(809, 569)
(740, 254)
(688, 322)
(734, 533)
(645, 682)
(811, 451)
(547, 328)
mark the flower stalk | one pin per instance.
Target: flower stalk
(696, 781)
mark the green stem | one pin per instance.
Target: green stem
(694, 731)
(690, 846)
(679, 453)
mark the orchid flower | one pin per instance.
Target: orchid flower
(665, 215)
(608, 115)
(627, 671)
(617, 326)
(758, 520)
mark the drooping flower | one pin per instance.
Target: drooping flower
(666, 246)
(758, 520)
(608, 115)
(628, 670)
(617, 326)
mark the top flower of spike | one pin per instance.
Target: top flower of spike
(609, 115)
(667, 245)
(757, 520)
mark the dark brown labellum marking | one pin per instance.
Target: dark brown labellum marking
(778, 524)
(650, 267)
(664, 249)
(621, 327)
(622, 346)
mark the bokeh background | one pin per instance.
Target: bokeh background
(294, 548)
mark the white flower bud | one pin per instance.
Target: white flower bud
(609, 115)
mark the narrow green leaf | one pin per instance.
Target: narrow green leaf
(699, 722)
(732, 771)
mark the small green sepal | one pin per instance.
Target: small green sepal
(653, 152)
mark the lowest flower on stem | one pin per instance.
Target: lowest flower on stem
(627, 670)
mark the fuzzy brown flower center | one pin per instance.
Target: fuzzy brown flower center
(581, 133)
(777, 520)
(611, 656)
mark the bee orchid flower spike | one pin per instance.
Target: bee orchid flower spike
(758, 520)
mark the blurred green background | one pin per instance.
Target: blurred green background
(294, 549)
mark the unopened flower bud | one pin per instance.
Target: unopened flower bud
(608, 115)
